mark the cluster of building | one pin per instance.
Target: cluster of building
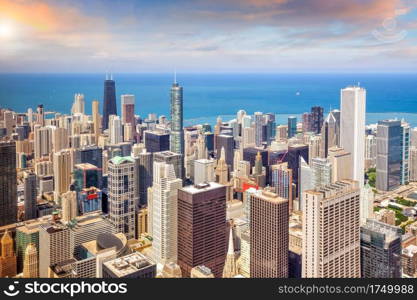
(109, 196)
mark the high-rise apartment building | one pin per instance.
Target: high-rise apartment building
(109, 101)
(268, 235)
(63, 166)
(164, 212)
(177, 132)
(96, 120)
(42, 141)
(121, 187)
(331, 247)
(8, 183)
(202, 238)
(352, 128)
(380, 250)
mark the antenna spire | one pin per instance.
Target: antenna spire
(175, 76)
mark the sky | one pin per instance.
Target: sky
(208, 36)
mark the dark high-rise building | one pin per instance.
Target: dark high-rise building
(202, 227)
(8, 183)
(380, 250)
(209, 140)
(91, 155)
(292, 126)
(293, 159)
(144, 167)
(87, 175)
(29, 182)
(109, 99)
(316, 119)
(250, 153)
(268, 235)
(228, 143)
(389, 155)
(177, 132)
(156, 141)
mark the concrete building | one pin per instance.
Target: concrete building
(268, 235)
(31, 263)
(203, 171)
(135, 265)
(331, 248)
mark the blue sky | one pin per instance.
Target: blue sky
(208, 36)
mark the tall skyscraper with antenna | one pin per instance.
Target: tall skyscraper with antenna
(177, 132)
(109, 100)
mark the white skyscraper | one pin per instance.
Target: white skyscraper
(79, 104)
(115, 129)
(203, 171)
(164, 212)
(305, 183)
(352, 128)
(322, 172)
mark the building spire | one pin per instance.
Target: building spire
(175, 76)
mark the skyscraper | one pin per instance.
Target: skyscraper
(380, 250)
(165, 212)
(202, 227)
(352, 128)
(292, 126)
(31, 264)
(63, 162)
(259, 121)
(8, 183)
(109, 101)
(96, 120)
(7, 257)
(69, 205)
(121, 186)
(172, 158)
(30, 192)
(156, 141)
(177, 132)
(78, 107)
(203, 171)
(331, 247)
(281, 180)
(389, 155)
(316, 119)
(405, 153)
(115, 130)
(268, 235)
(321, 171)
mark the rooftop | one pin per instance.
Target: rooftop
(128, 264)
(121, 159)
(202, 187)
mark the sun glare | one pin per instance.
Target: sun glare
(6, 31)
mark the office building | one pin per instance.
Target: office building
(42, 141)
(321, 171)
(316, 119)
(69, 205)
(128, 111)
(121, 185)
(164, 212)
(389, 155)
(405, 153)
(96, 120)
(225, 142)
(134, 265)
(78, 106)
(331, 248)
(156, 141)
(7, 256)
(109, 101)
(8, 183)
(201, 272)
(268, 235)
(31, 263)
(30, 194)
(409, 261)
(89, 200)
(292, 127)
(87, 175)
(380, 250)
(293, 157)
(202, 238)
(171, 158)
(352, 128)
(341, 163)
(258, 122)
(115, 130)
(370, 151)
(413, 164)
(281, 181)
(54, 246)
(203, 171)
